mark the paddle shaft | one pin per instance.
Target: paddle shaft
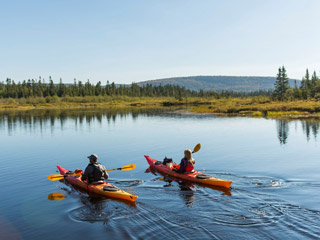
(113, 169)
(124, 168)
(56, 177)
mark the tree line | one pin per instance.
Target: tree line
(38, 88)
(309, 87)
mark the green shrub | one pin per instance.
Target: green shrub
(54, 99)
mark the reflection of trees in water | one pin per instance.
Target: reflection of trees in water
(33, 120)
(283, 131)
(30, 120)
(309, 127)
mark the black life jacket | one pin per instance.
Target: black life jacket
(96, 173)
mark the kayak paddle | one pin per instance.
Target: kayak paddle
(55, 177)
(56, 196)
(196, 148)
(124, 168)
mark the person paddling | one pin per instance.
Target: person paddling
(187, 163)
(95, 173)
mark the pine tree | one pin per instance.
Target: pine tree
(281, 85)
(313, 84)
(305, 85)
(52, 88)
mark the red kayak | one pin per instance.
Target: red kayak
(105, 189)
(195, 176)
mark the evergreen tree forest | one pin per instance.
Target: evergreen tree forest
(38, 88)
(308, 89)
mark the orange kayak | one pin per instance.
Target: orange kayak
(195, 176)
(105, 189)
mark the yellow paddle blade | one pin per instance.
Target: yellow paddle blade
(128, 167)
(197, 148)
(55, 177)
(56, 196)
(124, 168)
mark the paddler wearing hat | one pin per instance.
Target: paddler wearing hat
(95, 172)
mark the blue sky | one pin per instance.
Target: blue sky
(131, 41)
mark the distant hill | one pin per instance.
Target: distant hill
(219, 83)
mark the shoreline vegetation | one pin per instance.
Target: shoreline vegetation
(282, 102)
(261, 106)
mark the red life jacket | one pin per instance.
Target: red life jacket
(189, 167)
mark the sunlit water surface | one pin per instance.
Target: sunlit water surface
(274, 166)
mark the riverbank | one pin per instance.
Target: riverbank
(250, 106)
(260, 107)
(79, 102)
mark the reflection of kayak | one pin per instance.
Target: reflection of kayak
(196, 176)
(105, 189)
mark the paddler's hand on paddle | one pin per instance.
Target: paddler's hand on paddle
(78, 171)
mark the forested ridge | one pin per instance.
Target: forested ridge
(219, 83)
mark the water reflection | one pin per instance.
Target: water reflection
(42, 120)
(309, 127)
(187, 193)
(93, 210)
(283, 131)
(39, 120)
(56, 196)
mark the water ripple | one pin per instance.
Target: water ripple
(101, 210)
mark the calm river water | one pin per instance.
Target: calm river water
(274, 166)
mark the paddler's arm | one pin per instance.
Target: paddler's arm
(86, 173)
(192, 162)
(183, 165)
(105, 175)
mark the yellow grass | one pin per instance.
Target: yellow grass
(250, 106)
(258, 107)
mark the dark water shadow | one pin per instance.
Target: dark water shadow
(96, 209)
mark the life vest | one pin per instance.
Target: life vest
(189, 167)
(184, 166)
(96, 172)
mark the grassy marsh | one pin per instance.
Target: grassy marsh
(249, 106)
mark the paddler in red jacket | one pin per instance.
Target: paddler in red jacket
(187, 163)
